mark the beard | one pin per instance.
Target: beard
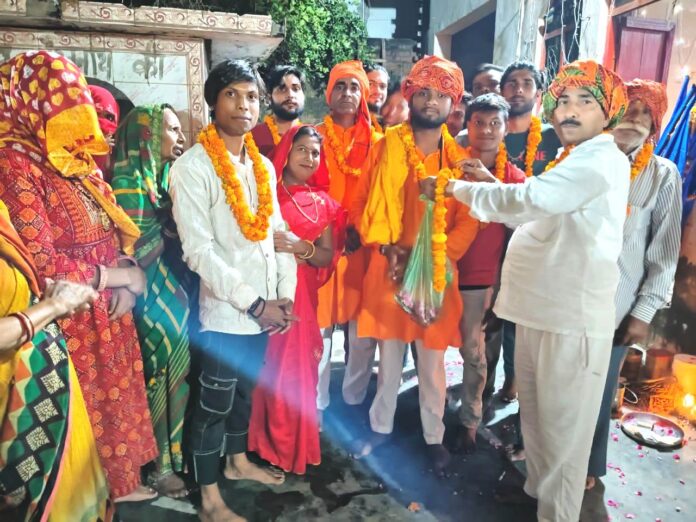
(374, 107)
(520, 109)
(423, 122)
(284, 114)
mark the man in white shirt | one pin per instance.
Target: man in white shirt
(559, 278)
(225, 208)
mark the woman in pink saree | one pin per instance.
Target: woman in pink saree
(284, 428)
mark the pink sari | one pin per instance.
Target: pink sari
(283, 428)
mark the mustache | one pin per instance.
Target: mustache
(570, 121)
(627, 125)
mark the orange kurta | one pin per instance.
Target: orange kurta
(339, 298)
(380, 316)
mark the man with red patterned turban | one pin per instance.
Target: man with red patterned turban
(652, 237)
(389, 211)
(348, 138)
(559, 279)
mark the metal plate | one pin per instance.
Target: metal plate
(652, 430)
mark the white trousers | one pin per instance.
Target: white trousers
(432, 388)
(361, 358)
(560, 381)
(357, 376)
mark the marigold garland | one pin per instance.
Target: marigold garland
(335, 147)
(273, 127)
(439, 236)
(375, 124)
(641, 160)
(254, 227)
(533, 141)
(564, 155)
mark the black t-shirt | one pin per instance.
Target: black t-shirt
(516, 145)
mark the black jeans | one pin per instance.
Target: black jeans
(229, 368)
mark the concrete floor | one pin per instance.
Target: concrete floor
(642, 484)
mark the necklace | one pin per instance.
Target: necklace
(641, 160)
(297, 205)
(254, 227)
(439, 235)
(533, 140)
(501, 160)
(273, 127)
(335, 147)
(375, 123)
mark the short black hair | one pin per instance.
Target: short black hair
(489, 102)
(394, 86)
(227, 72)
(275, 76)
(369, 67)
(307, 130)
(483, 67)
(523, 65)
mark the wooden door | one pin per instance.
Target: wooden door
(644, 48)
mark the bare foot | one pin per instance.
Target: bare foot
(465, 441)
(508, 393)
(219, 513)
(516, 454)
(363, 447)
(590, 483)
(141, 494)
(169, 485)
(250, 471)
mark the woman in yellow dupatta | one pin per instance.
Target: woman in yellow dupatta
(49, 467)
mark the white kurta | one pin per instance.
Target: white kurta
(558, 284)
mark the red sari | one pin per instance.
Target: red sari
(283, 428)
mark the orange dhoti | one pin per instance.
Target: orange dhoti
(339, 298)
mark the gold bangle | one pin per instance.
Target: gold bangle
(311, 252)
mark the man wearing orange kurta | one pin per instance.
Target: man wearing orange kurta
(390, 211)
(348, 138)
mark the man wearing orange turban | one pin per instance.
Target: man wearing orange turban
(652, 237)
(389, 211)
(348, 138)
(559, 279)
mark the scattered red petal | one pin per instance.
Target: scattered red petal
(676, 457)
(682, 481)
(639, 493)
(630, 516)
(641, 455)
(612, 503)
(639, 447)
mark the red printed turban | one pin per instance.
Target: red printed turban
(654, 95)
(433, 72)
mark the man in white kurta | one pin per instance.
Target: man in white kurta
(559, 279)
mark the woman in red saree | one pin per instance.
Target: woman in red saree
(284, 429)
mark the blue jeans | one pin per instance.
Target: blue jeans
(597, 466)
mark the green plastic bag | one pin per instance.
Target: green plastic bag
(417, 296)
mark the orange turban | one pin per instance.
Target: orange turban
(433, 72)
(654, 95)
(362, 133)
(604, 84)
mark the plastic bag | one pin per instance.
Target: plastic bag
(417, 296)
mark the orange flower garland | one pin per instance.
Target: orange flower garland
(439, 236)
(273, 127)
(271, 124)
(335, 147)
(375, 124)
(560, 158)
(254, 227)
(533, 141)
(641, 160)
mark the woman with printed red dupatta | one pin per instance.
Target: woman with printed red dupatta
(284, 429)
